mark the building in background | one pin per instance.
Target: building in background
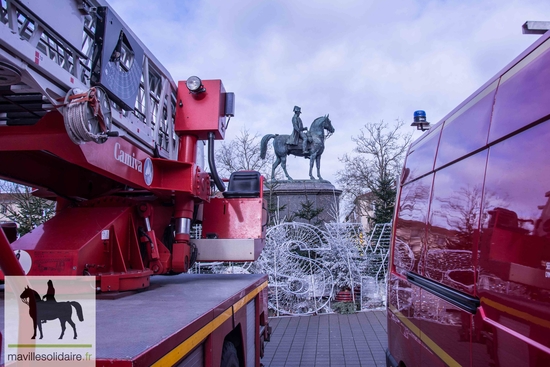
(7, 202)
(362, 211)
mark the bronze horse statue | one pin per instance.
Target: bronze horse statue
(316, 144)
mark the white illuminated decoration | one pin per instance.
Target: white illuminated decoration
(148, 171)
(298, 283)
(307, 266)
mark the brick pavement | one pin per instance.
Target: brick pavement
(333, 340)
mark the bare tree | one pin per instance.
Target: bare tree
(243, 153)
(374, 169)
(25, 209)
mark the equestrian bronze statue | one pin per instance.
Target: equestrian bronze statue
(310, 144)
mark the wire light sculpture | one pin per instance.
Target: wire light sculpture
(298, 281)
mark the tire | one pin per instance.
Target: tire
(229, 355)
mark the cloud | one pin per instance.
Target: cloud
(361, 61)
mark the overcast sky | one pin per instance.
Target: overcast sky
(358, 60)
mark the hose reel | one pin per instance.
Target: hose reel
(87, 116)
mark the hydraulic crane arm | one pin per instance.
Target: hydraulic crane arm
(89, 115)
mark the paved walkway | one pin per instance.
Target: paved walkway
(333, 340)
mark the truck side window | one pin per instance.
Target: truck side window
(514, 256)
(410, 235)
(457, 139)
(454, 223)
(516, 209)
(525, 85)
(421, 156)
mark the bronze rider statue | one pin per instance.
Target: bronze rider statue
(298, 131)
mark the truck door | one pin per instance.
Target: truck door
(448, 299)
(404, 298)
(514, 257)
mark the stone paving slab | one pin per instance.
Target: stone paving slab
(333, 340)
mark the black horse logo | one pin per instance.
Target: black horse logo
(41, 311)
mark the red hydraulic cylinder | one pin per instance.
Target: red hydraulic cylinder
(188, 149)
(197, 116)
(181, 252)
(8, 262)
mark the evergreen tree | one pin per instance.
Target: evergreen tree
(25, 209)
(309, 212)
(384, 200)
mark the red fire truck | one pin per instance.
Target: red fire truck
(470, 261)
(92, 120)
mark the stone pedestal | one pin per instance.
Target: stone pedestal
(291, 194)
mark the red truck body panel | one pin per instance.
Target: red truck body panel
(470, 264)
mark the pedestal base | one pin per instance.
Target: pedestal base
(288, 196)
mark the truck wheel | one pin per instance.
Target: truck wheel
(229, 355)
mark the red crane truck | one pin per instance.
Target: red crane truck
(470, 260)
(92, 120)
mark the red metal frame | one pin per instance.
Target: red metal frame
(235, 218)
(114, 224)
(42, 155)
(8, 261)
(198, 114)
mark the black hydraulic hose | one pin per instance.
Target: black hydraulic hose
(219, 183)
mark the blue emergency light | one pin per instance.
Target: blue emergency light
(420, 120)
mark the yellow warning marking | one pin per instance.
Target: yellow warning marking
(243, 301)
(429, 342)
(176, 354)
(512, 311)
